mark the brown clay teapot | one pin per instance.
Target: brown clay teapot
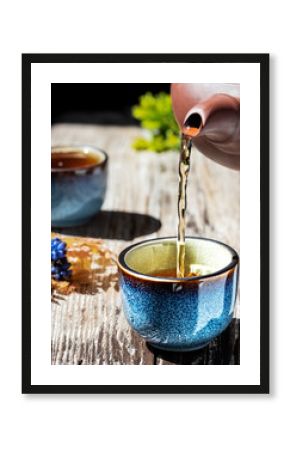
(210, 114)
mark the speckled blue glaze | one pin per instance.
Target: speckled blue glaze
(180, 316)
(78, 195)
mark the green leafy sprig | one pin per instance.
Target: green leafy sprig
(155, 115)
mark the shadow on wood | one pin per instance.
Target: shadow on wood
(115, 225)
(224, 350)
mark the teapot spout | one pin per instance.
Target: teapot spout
(192, 124)
(207, 117)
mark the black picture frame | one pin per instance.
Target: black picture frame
(27, 61)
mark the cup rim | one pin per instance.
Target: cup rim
(125, 268)
(81, 147)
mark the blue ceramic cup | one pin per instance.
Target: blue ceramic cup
(77, 193)
(179, 314)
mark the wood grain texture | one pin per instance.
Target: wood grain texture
(141, 202)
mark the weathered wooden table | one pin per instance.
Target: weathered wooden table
(141, 202)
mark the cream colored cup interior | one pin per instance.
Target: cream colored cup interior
(158, 255)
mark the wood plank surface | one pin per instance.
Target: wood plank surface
(141, 203)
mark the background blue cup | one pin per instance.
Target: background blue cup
(178, 314)
(77, 194)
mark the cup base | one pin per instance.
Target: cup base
(177, 348)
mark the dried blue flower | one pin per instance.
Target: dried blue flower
(60, 267)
